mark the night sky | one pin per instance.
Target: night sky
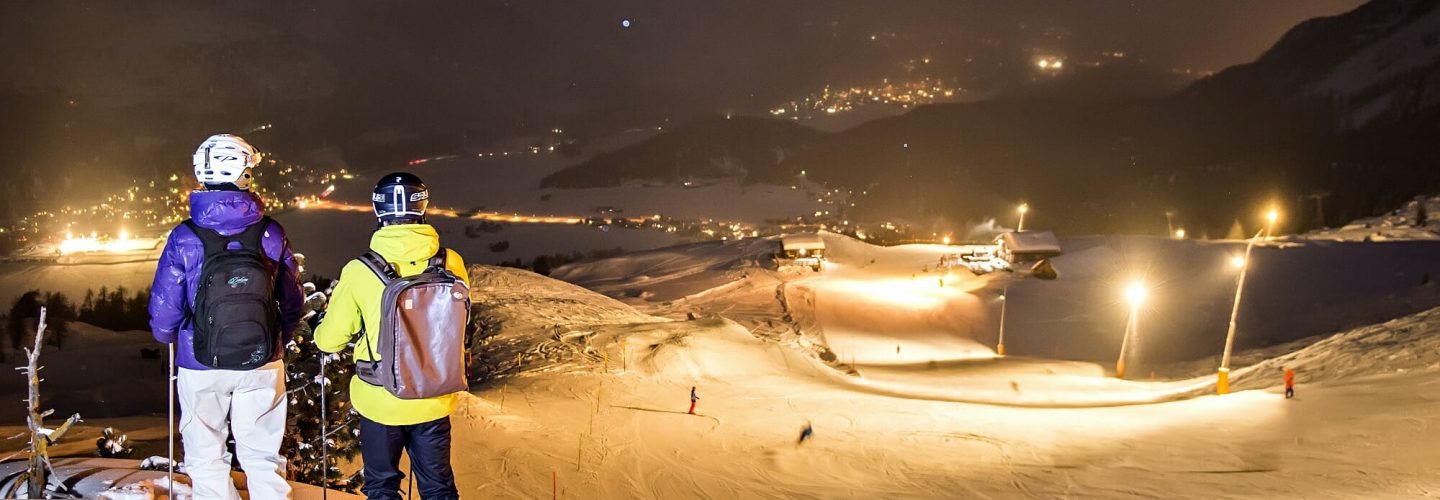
(443, 75)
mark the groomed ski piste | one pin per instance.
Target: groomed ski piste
(592, 393)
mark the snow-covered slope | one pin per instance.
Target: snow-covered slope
(82, 375)
(598, 410)
(1402, 224)
(72, 279)
(595, 406)
(119, 479)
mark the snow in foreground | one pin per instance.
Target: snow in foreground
(597, 405)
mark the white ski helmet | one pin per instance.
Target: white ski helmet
(225, 159)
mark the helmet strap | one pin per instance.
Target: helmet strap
(402, 220)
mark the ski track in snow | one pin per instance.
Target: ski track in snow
(873, 440)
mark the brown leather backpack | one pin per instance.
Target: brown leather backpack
(421, 342)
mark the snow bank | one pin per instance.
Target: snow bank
(121, 479)
(1403, 346)
(708, 349)
(673, 272)
(1402, 224)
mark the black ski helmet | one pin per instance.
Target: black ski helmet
(400, 196)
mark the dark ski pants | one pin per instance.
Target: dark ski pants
(429, 447)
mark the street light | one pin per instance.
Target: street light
(1000, 343)
(1222, 376)
(1024, 207)
(1135, 294)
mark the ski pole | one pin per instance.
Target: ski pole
(324, 434)
(170, 428)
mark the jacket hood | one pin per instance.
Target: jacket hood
(225, 210)
(406, 242)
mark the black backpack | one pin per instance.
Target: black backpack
(235, 316)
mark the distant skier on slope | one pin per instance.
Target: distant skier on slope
(1289, 383)
(693, 399)
(806, 432)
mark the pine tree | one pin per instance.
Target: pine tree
(62, 312)
(302, 432)
(23, 310)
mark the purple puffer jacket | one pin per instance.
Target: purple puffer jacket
(176, 277)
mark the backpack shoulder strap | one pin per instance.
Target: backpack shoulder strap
(253, 237)
(214, 242)
(377, 265)
(437, 263)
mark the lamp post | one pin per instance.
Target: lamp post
(1000, 343)
(1222, 376)
(1024, 207)
(1135, 294)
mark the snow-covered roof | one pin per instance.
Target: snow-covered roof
(803, 242)
(1030, 242)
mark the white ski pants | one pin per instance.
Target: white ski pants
(251, 404)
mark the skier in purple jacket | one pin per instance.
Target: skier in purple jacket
(215, 403)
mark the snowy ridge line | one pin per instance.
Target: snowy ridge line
(1401, 345)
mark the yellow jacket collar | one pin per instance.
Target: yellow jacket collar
(406, 242)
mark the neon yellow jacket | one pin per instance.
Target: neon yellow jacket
(356, 303)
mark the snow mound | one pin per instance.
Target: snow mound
(554, 326)
(711, 348)
(670, 273)
(147, 490)
(525, 315)
(1413, 221)
(1406, 345)
(517, 299)
(120, 479)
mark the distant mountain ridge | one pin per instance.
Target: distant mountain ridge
(1377, 61)
(1341, 108)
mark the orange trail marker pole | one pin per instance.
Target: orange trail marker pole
(554, 485)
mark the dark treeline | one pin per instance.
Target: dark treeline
(118, 310)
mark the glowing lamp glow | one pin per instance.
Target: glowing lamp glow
(1272, 216)
(1180, 234)
(1024, 207)
(1136, 293)
(1237, 262)
(945, 240)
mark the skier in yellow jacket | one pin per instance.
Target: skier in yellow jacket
(388, 425)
